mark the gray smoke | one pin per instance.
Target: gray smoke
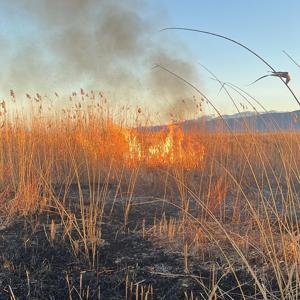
(97, 44)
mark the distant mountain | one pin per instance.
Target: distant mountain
(239, 115)
(245, 121)
(269, 121)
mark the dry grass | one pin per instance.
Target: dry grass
(236, 195)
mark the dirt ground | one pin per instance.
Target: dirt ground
(32, 267)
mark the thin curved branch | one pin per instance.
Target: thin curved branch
(290, 57)
(239, 44)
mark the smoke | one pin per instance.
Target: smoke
(174, 96)
(98, 44)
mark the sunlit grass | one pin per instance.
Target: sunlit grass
(237, 194)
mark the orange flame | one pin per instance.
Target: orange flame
(162, 148)
(167, 147)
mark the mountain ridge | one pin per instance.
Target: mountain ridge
(245, 121)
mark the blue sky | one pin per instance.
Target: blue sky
(268, 27)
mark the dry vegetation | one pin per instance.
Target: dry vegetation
(94, 205)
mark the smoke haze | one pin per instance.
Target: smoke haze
(96, 44)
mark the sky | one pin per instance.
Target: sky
(46, 45)
(268, 27)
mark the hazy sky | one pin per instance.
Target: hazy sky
(267, 27)
(35, 51)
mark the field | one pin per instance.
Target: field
(94, 204)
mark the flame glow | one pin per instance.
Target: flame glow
(163, 148)
(170, 146)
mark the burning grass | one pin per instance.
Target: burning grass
(210, 214)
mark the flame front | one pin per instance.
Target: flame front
(170, 146)
(163, 148)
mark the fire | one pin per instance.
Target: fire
(135, 148)
(163, 148)
(168, 147)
